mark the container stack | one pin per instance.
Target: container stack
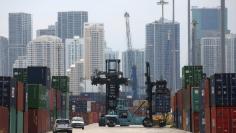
(7, 96)
(61, 86)
(38, 87)
(219, 94)
(20, 75)
(87, 105)
(186, 102)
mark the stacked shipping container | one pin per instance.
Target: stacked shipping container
(211, 101)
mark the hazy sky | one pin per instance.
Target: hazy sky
(111, 13)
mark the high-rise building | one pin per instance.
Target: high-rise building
(47, 51)
(20, 33)
(51, 30)
(76, 75)
(74, 50)
(162, 52)
(71, 24)
(230, 53)
(94, 48)
(208, 24)
(111, 54)
(3, 56)
(139, 62)
(211, 54)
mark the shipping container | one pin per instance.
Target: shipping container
(20, 96)
(207, 90)
(162, 100)
(7, 92)
(61, 83)
(26, 119)
(58, 100)
(220, 120)
(195, 99)
(37, 96)
(26, 95)
(187, 98)
(184, 120)
(20, 122)
(195, 122)
(179, 97)
(233, 119)
(13, 127)
(38, 121)
(52, 99)
(39, 75)
(4, 121)
(20, 74)
(192, 75)
(207, 114)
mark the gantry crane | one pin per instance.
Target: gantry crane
(131, 65)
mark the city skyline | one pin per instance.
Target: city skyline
(110, 16)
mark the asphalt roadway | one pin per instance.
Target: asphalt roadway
(94, 128)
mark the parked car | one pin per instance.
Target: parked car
(77, 122)
(62, 125)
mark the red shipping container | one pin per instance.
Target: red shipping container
(220, 120)
(4, 121)
(195, 122)
(20, 96)
(52, 96)
(179, 100)
(207, 93)
(233, 119)
(95, 117)
(26, 119)
(207, 112)
(187, 98)
(38, 121)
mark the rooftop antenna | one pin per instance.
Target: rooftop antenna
(162, 3)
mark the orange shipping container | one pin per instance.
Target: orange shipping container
(195, 122)
(4, 121)
(38, 121)
(184, 120)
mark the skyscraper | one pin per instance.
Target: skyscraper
(162, 51)
(139, 62)
(76, 75)
(74, 50)
(20, 33)
(51, 30)
(211, 54)
(94, 48)
(71, 24)
(47, 51)
(208, 24)
(3, 56)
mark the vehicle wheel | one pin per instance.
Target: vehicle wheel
(82, 128)
(111, 124)
(69, 132)
(147, 122)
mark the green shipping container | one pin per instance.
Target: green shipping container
(20, 74)
(37, 96)
(12, 120)
(192, 75)
(195, 102)
(20, 122)
(60, 83)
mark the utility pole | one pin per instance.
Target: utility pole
(189, 40)
(162, 3)
(223, 36)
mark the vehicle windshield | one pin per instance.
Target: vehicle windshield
(63, 122)
(77, 119)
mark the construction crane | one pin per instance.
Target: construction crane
(131, 65)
